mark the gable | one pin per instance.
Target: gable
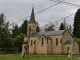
(42, 36)
(67, 32)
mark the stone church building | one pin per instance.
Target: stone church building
(48, 42)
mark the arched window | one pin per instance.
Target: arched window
(51, 41)
(67, 34)
(29, 28)
(42, 42)
(61, 41)
(31, 42)
(56, 41)
(34, 41)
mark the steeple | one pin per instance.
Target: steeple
(32, 24)
(32, 18)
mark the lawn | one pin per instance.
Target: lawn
(17, 57)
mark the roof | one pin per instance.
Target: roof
(46, 37)
(47, 33)
(68, 41)
(32, 18)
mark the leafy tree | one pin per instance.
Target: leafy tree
(76, 30)
(78, 40)
(17, 41)
(49, 27)
(62, 27)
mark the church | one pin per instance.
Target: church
(48, 42)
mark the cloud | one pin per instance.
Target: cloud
(16, 10)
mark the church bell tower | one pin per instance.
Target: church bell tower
(32, 24)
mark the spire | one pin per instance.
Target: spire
(32, 18)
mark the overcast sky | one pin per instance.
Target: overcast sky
(16, 10)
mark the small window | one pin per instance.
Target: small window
(35, 42)
(61, 41)
(47, 41)
(51, 41)
(33, 26)
(67, 33)
(31, 42)
(29, 28)
(42, 41)
(56, 41)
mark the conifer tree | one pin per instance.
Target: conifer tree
(62, 27)
(4, 32)
(76, 30)
(24, 27)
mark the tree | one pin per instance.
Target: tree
(62, 27)
(17, 41)
(24, 27)
(4, 32)
(15, 30)
(65, 24)
(76, 30)
(70, 29)
(78, 40)
(38, 28)
(49, 27)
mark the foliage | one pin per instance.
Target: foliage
(17, 41)
(24, 27)
(15, 30)
(4, 32)
(18, 34)
(49, 27)
(77, 39)
(76, 30)
(36, 58)
(38, 28)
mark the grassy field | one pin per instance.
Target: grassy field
(17, 57)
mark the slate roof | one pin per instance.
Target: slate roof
(32, 18)
(69, 42)
(47, 33)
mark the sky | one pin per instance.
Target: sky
(16, 10)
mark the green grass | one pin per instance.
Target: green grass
(17, 57)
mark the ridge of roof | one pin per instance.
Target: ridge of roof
(48, 33)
